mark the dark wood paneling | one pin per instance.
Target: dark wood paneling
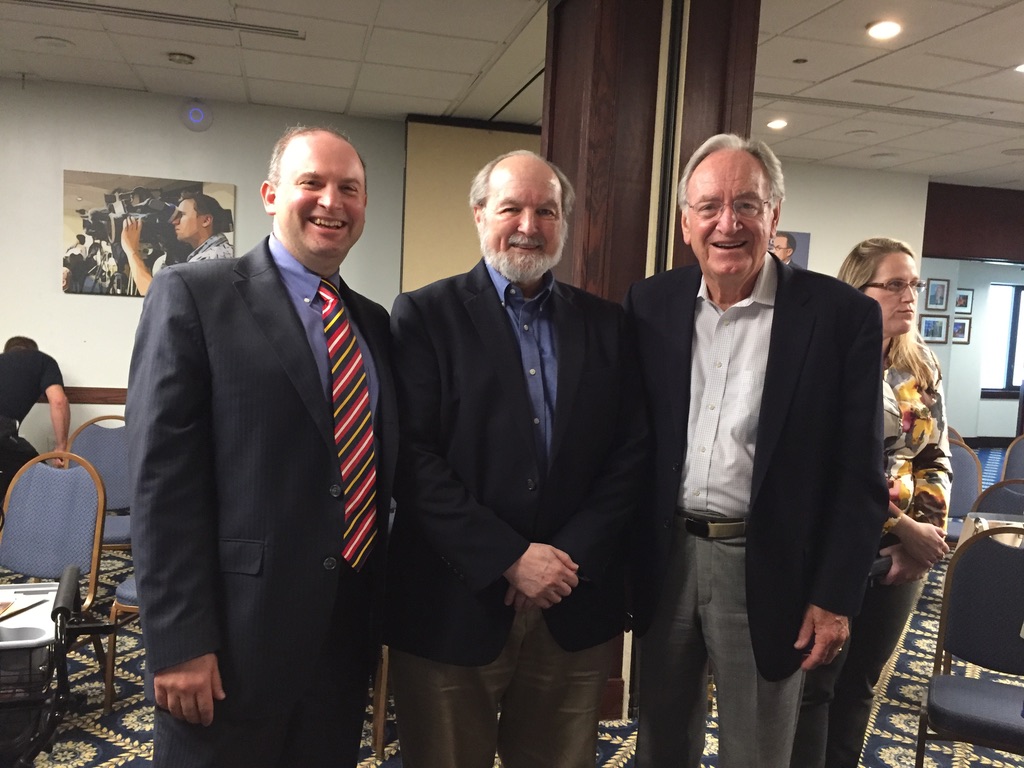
(718, 92)
(975, 223)
(93, 395)
(600, 98)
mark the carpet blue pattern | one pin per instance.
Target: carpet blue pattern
(122, 739)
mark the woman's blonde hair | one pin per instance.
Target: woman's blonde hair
(907, 352)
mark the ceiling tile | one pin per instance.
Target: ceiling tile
(381, 78)
(71, 69)
(861, 131)
(302, 70)
(198, 85)
(87, 43)
(183, 33)
(810, 149)
(390, 106)
(527, 108)
(321, 37)
(880, 157)
(920, 70)
(475, 19)
(352, 11)
(941, 140)
(824, 59)
(411, 49)
(302, 96)
(798, 123)
(847, 89)
(779, 17)
(153, 52)
(778, 86)
(51, 18)
(993, 38)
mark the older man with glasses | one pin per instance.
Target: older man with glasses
(762, 520)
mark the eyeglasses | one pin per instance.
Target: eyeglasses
(897, 286)
(744, 209)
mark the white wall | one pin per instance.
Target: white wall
(961, 363)
(842, 206)
(47, 128)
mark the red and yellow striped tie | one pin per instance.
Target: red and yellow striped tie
(353, 428)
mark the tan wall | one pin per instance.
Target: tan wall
(440, 238)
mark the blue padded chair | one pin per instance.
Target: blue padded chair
(53, 518)
(124, 609)
(103, 442)
(952, 434)
(965, 489)
(1013, 460)
(1003, 501)
(980, 624)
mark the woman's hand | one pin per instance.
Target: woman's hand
(922, 541)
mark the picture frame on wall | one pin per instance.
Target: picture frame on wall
(963, 302)
(961, 333)
(937, 294)
(934, 328)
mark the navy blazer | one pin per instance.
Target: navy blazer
(236, 520)
(471, 491)
(818, 492)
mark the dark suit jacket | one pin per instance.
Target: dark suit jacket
(818, 494)
(237, 519)
(471, 492)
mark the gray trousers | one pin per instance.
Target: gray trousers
(701, 620)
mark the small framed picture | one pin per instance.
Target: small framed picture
(934, 327)
(964, 302)
(961, 333)
(937, 294)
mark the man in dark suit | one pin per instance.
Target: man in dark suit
(523, 437)
(258, 624)
(764, 386)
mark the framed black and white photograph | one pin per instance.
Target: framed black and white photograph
(168, 221)
(961, 333)
(963, 303)
(937, 295)
(934, 328)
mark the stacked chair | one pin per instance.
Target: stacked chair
(965, 489)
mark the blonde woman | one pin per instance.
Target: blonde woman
(838, 697)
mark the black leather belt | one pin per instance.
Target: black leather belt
(728, 528)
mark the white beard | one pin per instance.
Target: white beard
(518, 267)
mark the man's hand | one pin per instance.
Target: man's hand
(829, 631)
(904, 567)
(189, 689)
(542, 576)
(131, 234)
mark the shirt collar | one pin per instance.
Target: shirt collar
(296, 277)
(764, 287)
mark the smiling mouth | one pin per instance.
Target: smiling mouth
(327, 223)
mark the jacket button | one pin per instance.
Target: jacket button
(668, 522)
(330, 563)
(677, 467)
(335, 490)
(530, 485)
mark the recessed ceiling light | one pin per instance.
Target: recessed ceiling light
(777, 125)
(180, 58)
(799, 61)
(884, 30)
(54, 42)
(1015, 152)
(1020, 68)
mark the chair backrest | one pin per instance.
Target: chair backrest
(966, 485)
(1004, 500)
(54, 518)
(106, 448)
(953, 434)
(1013, 460)
(983, 605)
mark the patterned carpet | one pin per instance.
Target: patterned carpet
(123, 739)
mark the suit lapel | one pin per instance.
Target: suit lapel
(677, 322)
(262, 291)
(569, 326)
(792, 326)
(492, 325)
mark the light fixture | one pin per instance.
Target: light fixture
(1020, 68)
(884, 30)
(180, 58)
(54, 42)
(800, 61)
(1015, 152)
(777, 125)
(861, 133)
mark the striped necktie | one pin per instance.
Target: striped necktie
(353, 428)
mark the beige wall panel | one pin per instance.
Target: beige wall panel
(440, 238)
